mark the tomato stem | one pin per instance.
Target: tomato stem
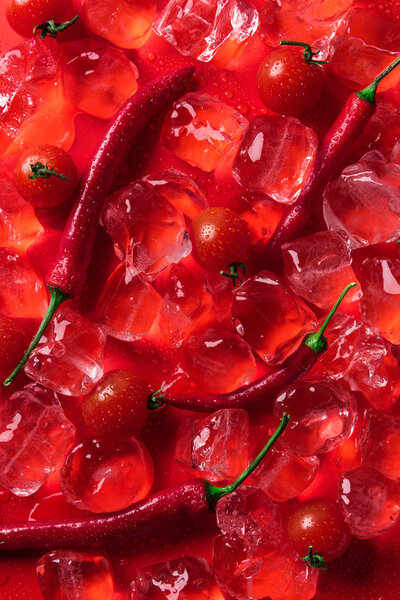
(155, 400)
(213, 493)
(317, 341)
(52, 28)
(308, 52)
(314, 560)
(234, 273)
(38, 169)
(368, 93)
(56, 298)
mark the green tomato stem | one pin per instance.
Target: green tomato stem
(52, 28)
(40, 170)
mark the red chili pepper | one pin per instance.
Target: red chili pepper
(330, 157)
(67, 276)
(184, 503)
(268, 386)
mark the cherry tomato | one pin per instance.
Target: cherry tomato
(13, 343)
(220, 237)
(118, 404)
(50, 189)
(319, 523)
(287, 83)
(24, 15)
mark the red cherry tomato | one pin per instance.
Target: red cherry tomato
(118, 404)
(51, 189)
(24, 15)
(220, 237)
(320, 524)
(287, 83)
(13, 343)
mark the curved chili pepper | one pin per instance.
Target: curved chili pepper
(67, 276)
(331, 154)
(293, 369)
(183, 503)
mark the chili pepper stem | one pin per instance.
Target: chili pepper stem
(317, 341)
(213, 493)
(368, 93)
(51, 28)
(57, 297)
(38, 169)
(308, 52)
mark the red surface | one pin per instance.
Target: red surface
(368, 570)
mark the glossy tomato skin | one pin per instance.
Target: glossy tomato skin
(319, 523)
(24, 15)
(117, 405)
(46, 192)
(220, 237)
(287, 84)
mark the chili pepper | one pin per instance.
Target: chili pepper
(183, 503)
(293, 369)
(331, 154)
(67, 276)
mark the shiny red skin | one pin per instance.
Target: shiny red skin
(220, 237)
(46, 192)
(24, 15)
(181, 504)
(319, 523)
(69, 270)
(117, 405)
(260, 391)
(287, 83)
(330, 158)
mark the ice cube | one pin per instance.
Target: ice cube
(185, 305)
(247, 514)
(32, 104)
(246, 574)
(180, 191)
(214, 448)
(380, 444)
(318, 267)
(379, 278)
(23, 294)
(271, 319)
(35, 435)
(218, 360)
(314, 22)
(186, 578)
(206, 28)
(18, 223)
(261, 213)
(362, 359)
(365, 200)
(75, 575)
(107, 475)
(203, 131)
(128, 306)
(97, 77)
(382, 131)
(147, 231)
(69, 356)
(322, 415)
(275, 157)
(366, 44)
(369, 501)
(125, 23)
(283, 476)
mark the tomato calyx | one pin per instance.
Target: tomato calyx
(308, 53)
(156, 400)
(52, 28)
(38, 169)
(237, 272)
(314, 560)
